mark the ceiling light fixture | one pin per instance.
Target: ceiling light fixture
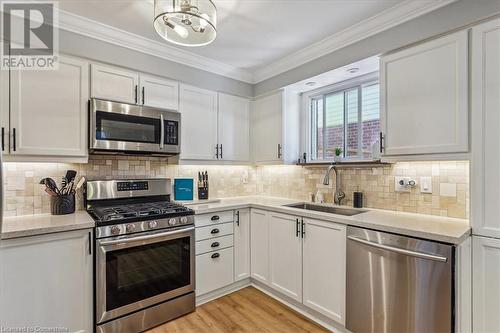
(186, 22)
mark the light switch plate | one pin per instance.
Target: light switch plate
(425, 184)
(401, 188)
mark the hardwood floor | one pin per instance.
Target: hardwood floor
(247, 310)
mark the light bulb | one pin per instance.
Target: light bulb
(183, 32)
(204, 20)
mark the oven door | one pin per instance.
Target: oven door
(137, 271)
(118, 127)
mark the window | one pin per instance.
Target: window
(347, 118)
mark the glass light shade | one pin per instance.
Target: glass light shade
(186, 22)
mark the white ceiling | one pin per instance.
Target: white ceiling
(251, 33)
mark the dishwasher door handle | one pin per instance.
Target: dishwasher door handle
(399, 250)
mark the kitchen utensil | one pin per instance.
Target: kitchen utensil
(80, 183)
(50, 192)
(51, 184)
(70, 175)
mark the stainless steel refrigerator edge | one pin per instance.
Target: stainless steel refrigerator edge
(398, 284)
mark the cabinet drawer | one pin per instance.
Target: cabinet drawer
(209, 219)
(214, 270)
(214, 244)
(214, 231)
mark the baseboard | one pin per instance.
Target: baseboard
(222, 291)
(314, 316)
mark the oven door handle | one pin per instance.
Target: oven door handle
(162, 131)
(142, 238)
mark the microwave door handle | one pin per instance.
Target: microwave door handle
(162, 131)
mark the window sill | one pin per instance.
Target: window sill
(348, 164)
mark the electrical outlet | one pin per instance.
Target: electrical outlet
(426, 184)
(401, 184)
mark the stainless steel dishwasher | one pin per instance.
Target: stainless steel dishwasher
(398, 284)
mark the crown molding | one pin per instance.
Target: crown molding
(97, 30)
(403, 12)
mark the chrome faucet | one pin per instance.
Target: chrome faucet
(338, 195)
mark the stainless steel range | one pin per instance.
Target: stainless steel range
(144, 261)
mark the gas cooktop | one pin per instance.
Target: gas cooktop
(122, 213)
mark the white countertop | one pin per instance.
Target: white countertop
(32, 225)
(443, 229)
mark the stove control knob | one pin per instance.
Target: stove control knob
(130, 227)
(172, 222)
(184, 220)
(115, 230)
(152, 224)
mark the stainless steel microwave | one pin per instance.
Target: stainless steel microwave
(133, 129)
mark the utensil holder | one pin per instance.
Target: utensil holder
(62, 204)
(202, 193)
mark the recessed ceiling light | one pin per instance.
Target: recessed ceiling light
(310, 83)
(353, 70)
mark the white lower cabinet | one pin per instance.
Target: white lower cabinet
(285, 255)
(49, 283)
(324, 268)
(214, 270)
(259, 245)
(486, 287)
(214, 251)
(242, 244)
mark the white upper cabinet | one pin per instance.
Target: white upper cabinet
(259, 245)
(48, 111)
(115, 84)
(4, 109)
(486, 289)
(324, 268)
(198, 108)
(267, 128)
(234, 128)
(159, 92)
(485, 164)
(242, 244)
(285, 254)
(424, 97)
(49, 281)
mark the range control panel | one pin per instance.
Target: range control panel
(133, 186)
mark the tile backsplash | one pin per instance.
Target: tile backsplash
(450, 182)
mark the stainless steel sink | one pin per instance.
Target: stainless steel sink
(327, 209)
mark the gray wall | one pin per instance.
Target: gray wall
(450, 17)
(81, 46)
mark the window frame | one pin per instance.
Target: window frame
(358, 82)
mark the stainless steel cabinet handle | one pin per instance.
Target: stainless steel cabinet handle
(143, 96)
(3, 138)
(217, 151)
(90, 243)
(279, 151)
(238, 218)
(399, 250)
(297, 228)
(162, 131)
(136, 88)
(14, 139)
(303, 228)
(381, 142)
(141, 238)
(221, 151)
